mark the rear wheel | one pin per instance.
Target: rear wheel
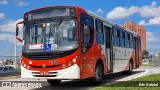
(53, 82)
(98, 74)
(130, 71)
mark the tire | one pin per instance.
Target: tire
(98, 74)
(53, 82)
(130, 71)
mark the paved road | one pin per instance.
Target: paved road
(85, 84)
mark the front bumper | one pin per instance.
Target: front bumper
(72, 72)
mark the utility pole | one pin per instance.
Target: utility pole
(15, 51)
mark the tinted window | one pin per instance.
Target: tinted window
(99, 26)
(99, 38)
(115, 32)
(99, 33)
(122, 42)
(87, 32)
(115, 41)
(116, 35)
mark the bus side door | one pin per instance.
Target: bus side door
(108, 45)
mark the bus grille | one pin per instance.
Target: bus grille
(45, 57)
(51, 74)
(45, 67)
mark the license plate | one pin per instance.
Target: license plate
(44, 73)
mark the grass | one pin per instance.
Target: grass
(134, 84)
(147, 65)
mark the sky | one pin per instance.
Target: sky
(146, 13)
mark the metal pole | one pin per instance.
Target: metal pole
(15, 51)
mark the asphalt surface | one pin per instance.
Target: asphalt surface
(86, 84)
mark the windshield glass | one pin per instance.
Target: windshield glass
(51, 36)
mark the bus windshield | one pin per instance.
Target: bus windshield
(51, 36)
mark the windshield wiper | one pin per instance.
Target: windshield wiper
(32, 37)
(55, 25)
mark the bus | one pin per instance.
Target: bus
(68, 42)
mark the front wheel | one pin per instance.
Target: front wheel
(53, 82)
(97, 79)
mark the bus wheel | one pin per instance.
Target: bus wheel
(53, 82)
(129, 72)
(97, 79)
(130, 68)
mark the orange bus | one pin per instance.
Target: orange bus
(68, 42)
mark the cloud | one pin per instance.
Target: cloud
(143, 11)
(10, 38)
(121, 12)
(9, 29)
(2, 15)
(21, 3)
(143, 22)
(98, 11)
(151, 37)
(7, 37)
(153, 42)
(150, 11)
(10, 26)
(152, 21)
(3, 2)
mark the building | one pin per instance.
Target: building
(138, 29)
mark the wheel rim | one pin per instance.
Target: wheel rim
(98, 73)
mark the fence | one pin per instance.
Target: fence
(155, 61)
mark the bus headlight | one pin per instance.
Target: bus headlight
(27, 67)
(63, 66)
(24, 65)
(74, 60)
(69, 63)
(22, 62)
(30, 62)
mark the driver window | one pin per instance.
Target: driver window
(87, 32)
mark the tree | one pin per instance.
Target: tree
(145, 54)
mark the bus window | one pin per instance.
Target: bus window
(87, 33)
(126, 40)
(115, 37)
(121, 38)
(99, 33)
(131, 41)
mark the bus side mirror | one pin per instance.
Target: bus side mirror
(17, 30)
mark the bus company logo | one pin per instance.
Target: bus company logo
(6, 84)
(54, 62)
(43, 65)
(20, 84)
